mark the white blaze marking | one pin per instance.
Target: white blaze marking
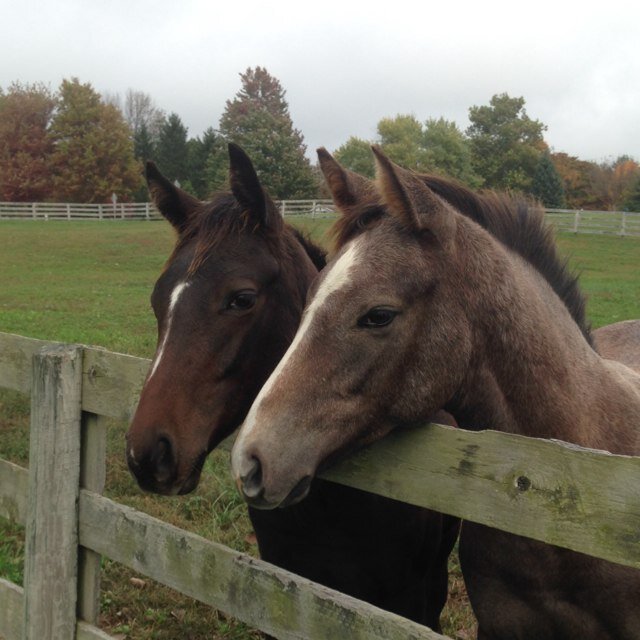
(175, 296)
(338, 276)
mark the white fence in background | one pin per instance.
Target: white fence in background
(619, 223)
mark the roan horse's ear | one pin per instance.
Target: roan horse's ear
(247, 189)
(410, 201)
(347, 188)
(174, 204)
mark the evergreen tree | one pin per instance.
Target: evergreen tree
(258, 120)
(505, 143)
(25, 145)
(632, 203)
(144, 146)
(172, 154)
(547, 184)
(93, 151)
(198, 152)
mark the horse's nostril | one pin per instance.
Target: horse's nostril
(252, 479)
(162, 460)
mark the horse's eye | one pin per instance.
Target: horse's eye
(242, 300)
(377, 317)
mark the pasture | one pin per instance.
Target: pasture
(90, 283)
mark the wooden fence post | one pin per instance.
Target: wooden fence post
(51, 547)
(576, 222)
(92, 477)
(623, 225)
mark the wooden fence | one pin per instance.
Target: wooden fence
(620, 223)
(74, 211)
(136, 210)
(577, 498)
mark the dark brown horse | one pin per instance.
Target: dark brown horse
(228, 303)
(424, 308)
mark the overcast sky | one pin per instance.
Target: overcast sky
(345, 65)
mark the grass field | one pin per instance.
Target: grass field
(90, 282)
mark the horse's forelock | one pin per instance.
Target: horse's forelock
(222, 219)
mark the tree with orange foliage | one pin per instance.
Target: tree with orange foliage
(93, 148)
(25, 114)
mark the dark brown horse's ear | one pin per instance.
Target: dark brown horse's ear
(410, 201)
(347, 188)
(174, 204)
(247, 189)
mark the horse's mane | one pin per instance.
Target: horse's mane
(317, 255)
(515, 220)
(221, 219)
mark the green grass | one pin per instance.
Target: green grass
(609, 270)
(90, 282)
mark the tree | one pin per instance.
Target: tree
(447, 151)
(198, 151)
(93, 150)
(258, 120)
(632, 203)
(25, 145)
(547, 184)
(576, 176)
(145, 121)
(401, 138)
(625, 172)
(355, 154)
(172, 154)
(140, 111)
(505, 143)
(438, 147)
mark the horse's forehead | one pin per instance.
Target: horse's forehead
(214, 261)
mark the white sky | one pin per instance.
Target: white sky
(345, 65)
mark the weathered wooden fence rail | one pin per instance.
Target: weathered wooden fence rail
(580, 499)
(620, 223)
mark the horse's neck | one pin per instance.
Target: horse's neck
(536, 375)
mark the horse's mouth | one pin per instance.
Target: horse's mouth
(193, 477)
(297, 494)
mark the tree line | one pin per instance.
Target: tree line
(76, 145)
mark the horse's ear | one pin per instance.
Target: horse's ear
(176, 205)
(410, 201)
(247, 189)
(347, 188)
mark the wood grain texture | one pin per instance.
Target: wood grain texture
(51, 540)
(262, 595)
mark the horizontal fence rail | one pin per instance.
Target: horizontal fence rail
(555, 492)
(620, 223)
(74, 211)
